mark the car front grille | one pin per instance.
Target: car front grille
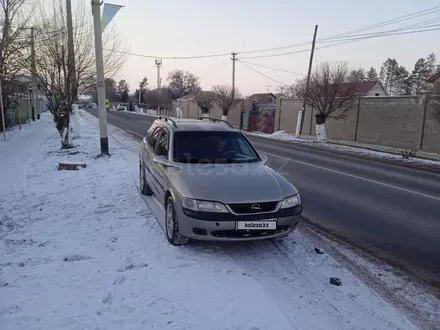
(253, 207)
(248, 233)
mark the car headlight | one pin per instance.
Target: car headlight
(291, 201)
(204, 206)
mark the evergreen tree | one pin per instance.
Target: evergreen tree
(372, 74)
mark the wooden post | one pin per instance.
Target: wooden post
(423, 121)
(357, 119)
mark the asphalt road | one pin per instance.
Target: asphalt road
(390, 210)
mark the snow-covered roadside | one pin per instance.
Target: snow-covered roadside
(283, 136)
(82, 250)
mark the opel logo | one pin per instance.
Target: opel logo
(255, 207)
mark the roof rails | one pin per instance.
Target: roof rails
(217, 120)
(170, 120)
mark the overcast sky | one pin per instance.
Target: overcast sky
(203, 27)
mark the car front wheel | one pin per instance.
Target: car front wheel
(172, 225)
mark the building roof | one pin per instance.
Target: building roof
(434, 77)
(360, 87)
(262, 95)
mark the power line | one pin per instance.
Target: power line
(260, 73)
(171, 57)
(344, 41)
(212, 70)
(268, 67)
(391, 21)
(376, 25)
(420, 25)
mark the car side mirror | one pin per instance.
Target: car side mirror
(162, 160)
(264, 158)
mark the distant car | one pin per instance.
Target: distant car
(213, 184)
(121, 108)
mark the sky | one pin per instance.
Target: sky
(203, 27)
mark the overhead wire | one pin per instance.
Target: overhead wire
(214, 69)
(342, 42)
(262, 74)
(268, 67)
(376, 25)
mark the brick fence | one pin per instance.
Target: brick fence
(405, 122)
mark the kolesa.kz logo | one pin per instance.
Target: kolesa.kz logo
(256, 225)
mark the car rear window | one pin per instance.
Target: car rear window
(213, 147)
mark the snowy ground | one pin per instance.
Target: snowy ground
(84, 250)
(283, 136)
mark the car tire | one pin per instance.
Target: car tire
(172, 225)
(145, 188)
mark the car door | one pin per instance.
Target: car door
(158, 170)
(145, 147)
(149, 164)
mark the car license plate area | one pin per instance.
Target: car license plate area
(266, 224)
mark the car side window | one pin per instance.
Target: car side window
(162, 145)
(150, 132)
(154, 137)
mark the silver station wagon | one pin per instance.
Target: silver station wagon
(213, 184)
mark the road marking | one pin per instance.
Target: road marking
(356, 177)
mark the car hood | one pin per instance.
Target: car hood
(236, 183)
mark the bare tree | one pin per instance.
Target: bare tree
(14, 41)
(286, 91)
(183, 83)
(205, 100)
(330, 94)
(226, 98)
(54, 71)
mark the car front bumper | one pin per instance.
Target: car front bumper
(222, 227)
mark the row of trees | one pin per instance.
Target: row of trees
(60, 78)
(396, 79)
(14, 52)
(179, 83)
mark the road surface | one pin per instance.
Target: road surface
(391, 210)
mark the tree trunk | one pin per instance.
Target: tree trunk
(321, 133)
(66, 139)
(225, 115)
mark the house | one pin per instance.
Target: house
(363, 88)
(266, 98)
(435, 81)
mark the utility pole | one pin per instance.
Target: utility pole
(234, 58)
(34, 73)
(71, 54)
(306, 91)
(158, 63)
(96, 12)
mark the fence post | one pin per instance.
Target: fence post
(280, 106)
(423, 121)
(356, 127)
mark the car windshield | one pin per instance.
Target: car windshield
(213, 147)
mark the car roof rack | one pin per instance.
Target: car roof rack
(217, 120)
(170, 120)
